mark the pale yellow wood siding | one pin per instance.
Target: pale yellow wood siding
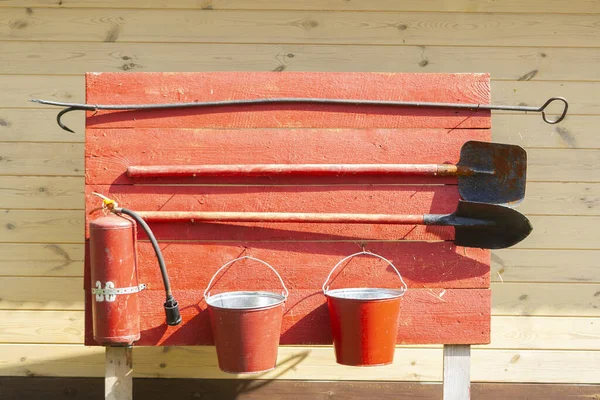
(546, 290)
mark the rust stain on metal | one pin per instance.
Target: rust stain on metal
(462, 171)
(499, 172)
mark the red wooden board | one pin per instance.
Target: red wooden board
(305, 265)
(110, 151)
(131, 88)
(448, 300)
(355, 199)
(428, 316)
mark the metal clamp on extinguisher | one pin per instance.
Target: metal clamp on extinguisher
(113, 271)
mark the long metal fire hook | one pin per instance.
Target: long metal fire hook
(300, 100)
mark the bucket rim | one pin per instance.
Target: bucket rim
(387, 293)
(240, 293)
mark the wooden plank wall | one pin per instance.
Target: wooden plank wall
(546, 291)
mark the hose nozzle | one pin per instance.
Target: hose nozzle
(172, 312)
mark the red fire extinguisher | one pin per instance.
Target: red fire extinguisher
(115, 286)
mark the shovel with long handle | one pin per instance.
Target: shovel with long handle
(487, 172)
(481, 225)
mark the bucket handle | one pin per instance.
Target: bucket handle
(326, 287)
(207, 293)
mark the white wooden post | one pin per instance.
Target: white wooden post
(457, 372)
(118, 381)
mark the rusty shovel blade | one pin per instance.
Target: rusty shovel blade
(492, 173)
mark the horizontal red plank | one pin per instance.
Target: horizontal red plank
(109, 152)
(306, 265)
(173, 231)
(398, 199)
(428, 316)
(380, 199)
(135, 88)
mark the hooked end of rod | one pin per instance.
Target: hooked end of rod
(59, 121)
(61, 113)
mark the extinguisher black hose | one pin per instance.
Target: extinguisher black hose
(171, 305)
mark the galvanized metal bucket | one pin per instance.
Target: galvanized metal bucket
(364, 321)
(246, 325)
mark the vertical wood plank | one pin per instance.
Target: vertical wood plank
(118, 383)
(457, 365)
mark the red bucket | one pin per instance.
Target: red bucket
(364, 321)
(246, 326)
